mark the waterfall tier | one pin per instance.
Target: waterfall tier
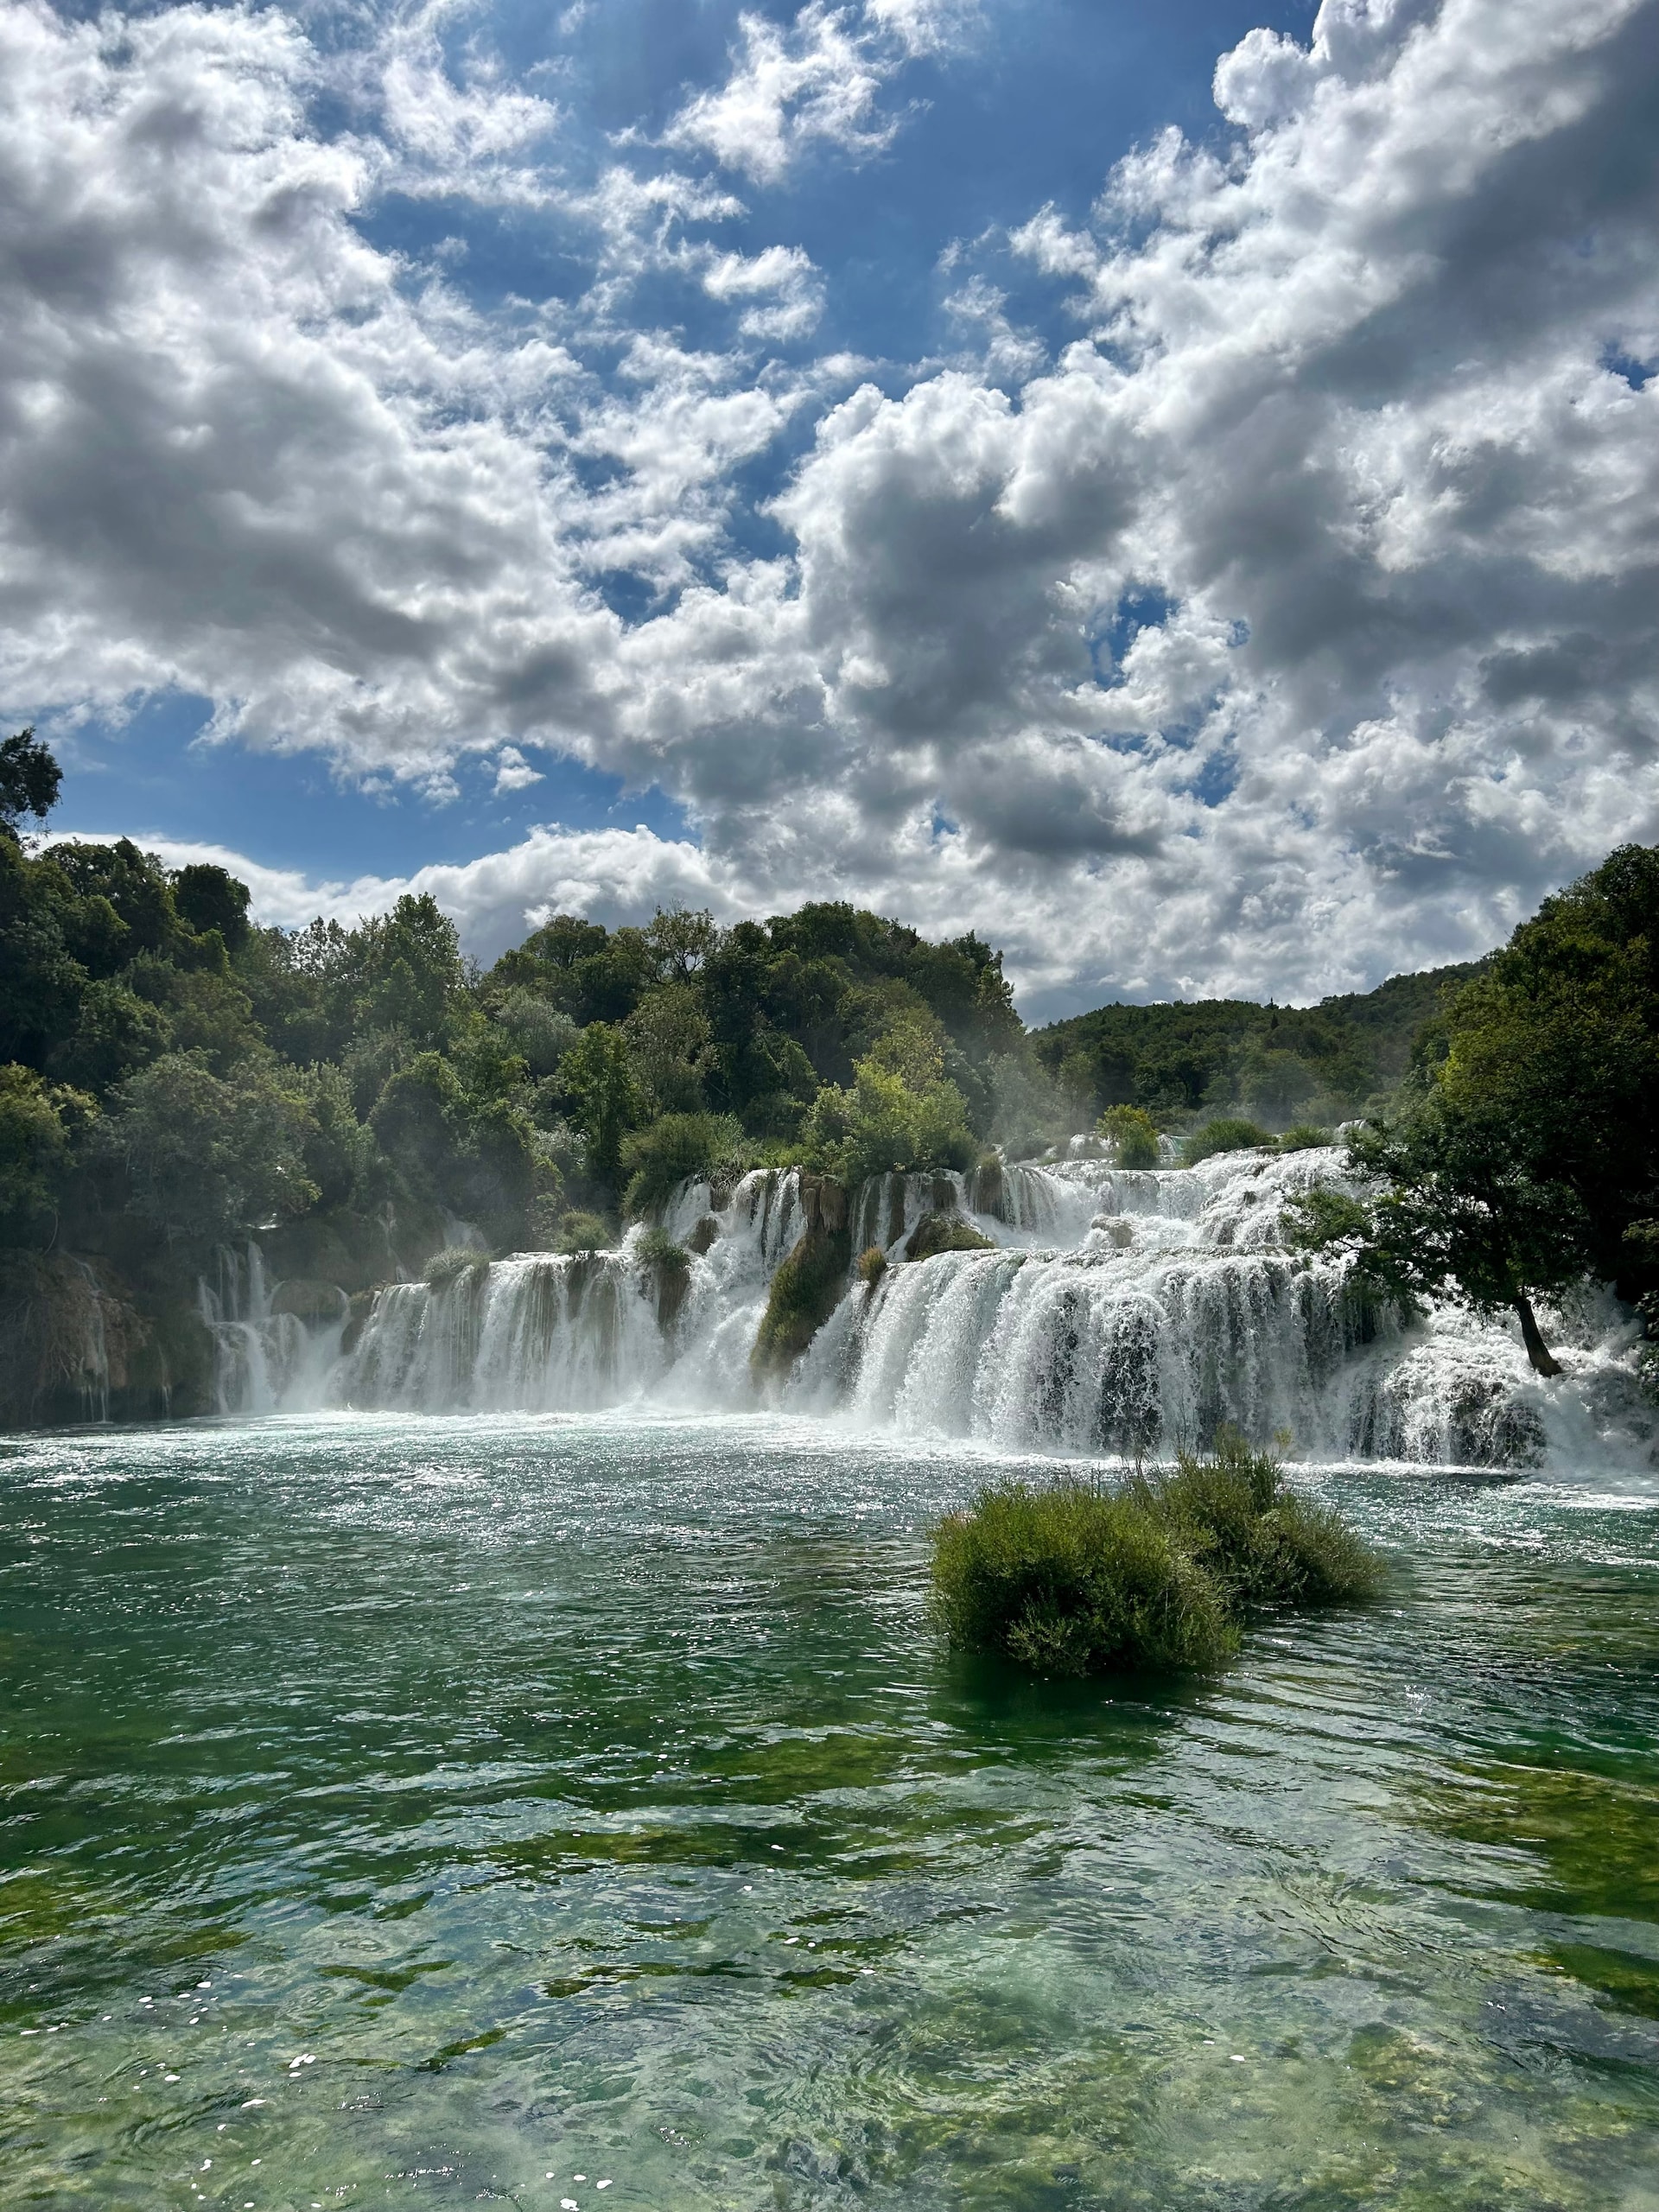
(1106, 1311)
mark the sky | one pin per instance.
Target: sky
(1174, 490)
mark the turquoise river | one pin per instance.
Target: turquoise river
(563, 1812)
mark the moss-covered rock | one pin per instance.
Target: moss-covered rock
(808, 1287)
(944, 1232)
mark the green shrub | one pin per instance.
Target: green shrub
(656, 1160)
(944, 1232)
(1132, 1133)
(656, 1248)
(1227, 1134)
(1304, 1137)
(1069, 1581)
(583, 1232)
(1265, 1545)
(453, 1262)
(871, 1266)
(1160, 1573)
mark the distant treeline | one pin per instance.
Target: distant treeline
(1325, 1063)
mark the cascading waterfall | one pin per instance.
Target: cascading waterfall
(546, 1333)
(266, 1357)
(1110, 1311)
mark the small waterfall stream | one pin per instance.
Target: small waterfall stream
(266, 1357)
(1111, 1311)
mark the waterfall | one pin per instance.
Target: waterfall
(267, 1356)
(1105, 1311)
(544, 1331)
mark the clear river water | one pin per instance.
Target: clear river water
(578, 1811)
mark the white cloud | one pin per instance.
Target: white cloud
(450, 138)
(1297, 622)
(818, 83)
(513, 772)
(610, 875)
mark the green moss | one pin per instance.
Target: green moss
(944, 1232)
(1160, 1573)
(805, 1291)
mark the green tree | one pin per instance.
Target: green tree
(1132, 1133)
(30, 781)
(115, 1033)
(209, 898)
(597, 1075)
(539, 1031)
(409, 970)
(670, 1043)
(1526, 1155)
(207, 1158)
(884, 1121)
(37, 1123)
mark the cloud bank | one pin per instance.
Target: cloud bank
(1292, 621)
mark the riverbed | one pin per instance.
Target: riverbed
(580, 1812)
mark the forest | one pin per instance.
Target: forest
(175, 1077)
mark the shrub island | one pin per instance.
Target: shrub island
(1160, 1573)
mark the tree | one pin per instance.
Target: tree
(410, 968)
(680, 941)
(30, 781)
(1528, 1153)
(883, 1123)
(1455, 1214)
(1132, 1135)
(36, 1125)
(597, 1073)
(207, 1158)
(209, 898)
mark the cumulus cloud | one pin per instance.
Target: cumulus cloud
(513, 772)
(818, 83)
(610, 875)
(1296, 622)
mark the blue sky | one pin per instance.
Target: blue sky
(1163, 486)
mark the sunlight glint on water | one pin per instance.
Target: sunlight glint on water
(479, 1802)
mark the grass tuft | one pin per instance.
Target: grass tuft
(452, 1262)
(1160, 1575)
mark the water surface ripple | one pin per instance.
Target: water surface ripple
(397, 1810)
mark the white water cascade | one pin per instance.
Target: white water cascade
(266, 1356)
(1110, 1312)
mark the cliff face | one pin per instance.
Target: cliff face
(75, 1346)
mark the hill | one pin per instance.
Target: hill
(1276, 1063)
